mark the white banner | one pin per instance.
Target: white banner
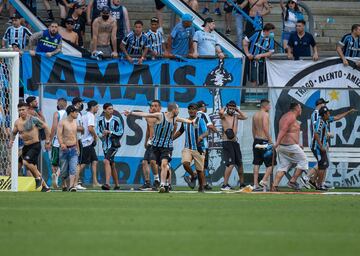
(328, 79)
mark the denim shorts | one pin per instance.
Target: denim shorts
(68, 162)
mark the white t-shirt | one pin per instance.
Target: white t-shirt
(61, 116)
(88, 120)
(79, 123)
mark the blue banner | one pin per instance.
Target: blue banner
(103, 80)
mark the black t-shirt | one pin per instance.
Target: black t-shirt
(79, 25)
(301, 46)
(246, 9)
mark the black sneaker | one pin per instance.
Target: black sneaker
(170, 187)
(208, 187)
(312, 183)
(228, 32)
(145, 187)
(105, 187)
(190, 181)
(49, 19)
(72, 189)
(38, 182)
(45, 189)
(167, 189)
(322, 188)
(162, 189)
(117, 187)
(242, 186)
(64, 189)
(201, 190)
(156, 184)
(226, 187)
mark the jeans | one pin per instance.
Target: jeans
(239, 23)
(68, 162)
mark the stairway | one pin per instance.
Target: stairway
(343, 13)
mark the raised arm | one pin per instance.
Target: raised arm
(222, 113)
(241, 115)
(143, 114)
(342, 115)
(184, 120)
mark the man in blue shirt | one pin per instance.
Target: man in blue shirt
(205, 43)
(48, 41)
(194, 149)
(300, 43)
(349, 45)
(180, 42)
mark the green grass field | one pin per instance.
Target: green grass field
(178, 224)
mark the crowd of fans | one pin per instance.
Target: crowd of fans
(112, 35)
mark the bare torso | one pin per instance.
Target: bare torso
(69, 132)
(230, 122)
(151, 123)
(258, 125)
(69, 35)
(293, 131)
(104, 30)
(258, 7)
(28, 131)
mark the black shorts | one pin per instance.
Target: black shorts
(232, 153)
(159, 5)
(322, 158)
(258, 154)
(110, 154)
(80, 149)
(228, 8)
(88, 155)
(148, 156)
(31, 153)
(206, 163)
(158, 154)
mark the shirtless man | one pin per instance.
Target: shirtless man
(155, 107)
(34, 108)
(261, 135)
(258, 8)
(68, 33)
(28, 128)
(104, 32)
(69, 147)
(230, 117)
(289, 150)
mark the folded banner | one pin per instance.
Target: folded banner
(121, 83)
(328, 79)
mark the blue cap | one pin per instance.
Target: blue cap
(186, 17)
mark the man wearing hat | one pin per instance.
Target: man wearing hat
(68, 33)
(104, 32)
(89, 139)
(34, 108)
(194, 149)
(180, 42)
(79, 18)
(205, 43)
(16, 34)
(202, 109)
(69, 147)
(230, 116)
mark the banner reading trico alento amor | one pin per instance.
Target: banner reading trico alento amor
(82, 77)
(333, 81)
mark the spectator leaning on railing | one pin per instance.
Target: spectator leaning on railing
(257, 48)
(68, 33)
(291, 14)
(16, 34)
(104, 32)
(205, 42)
(135, 43)
(48, 41)
(349, 45)
(300, 43)
(155, 38)
(77, 14)
(180, 40)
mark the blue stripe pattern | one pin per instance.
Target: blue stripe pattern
(163, 133)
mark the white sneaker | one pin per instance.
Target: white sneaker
(263, 184)
(79, 187)
(305, 182)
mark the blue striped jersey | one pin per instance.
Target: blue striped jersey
(322, 128)
(259, 44)
(163, 133)
(207, 120)
(155, 41)
(135, 45)
(351, 46)
(18, 36)
(113, 125)
(192, 133)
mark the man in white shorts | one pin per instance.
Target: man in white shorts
(288, 148)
